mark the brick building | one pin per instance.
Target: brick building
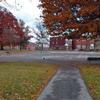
(57, 43)
(83, 44)
(61, 43)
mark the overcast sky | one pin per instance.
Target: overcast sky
(24, 9)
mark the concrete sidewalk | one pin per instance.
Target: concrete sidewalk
(67, 84)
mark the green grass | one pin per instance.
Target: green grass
(23, 81)
(91, 75)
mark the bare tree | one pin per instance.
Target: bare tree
(41, 34)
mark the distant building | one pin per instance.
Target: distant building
(57, 43)
(83, 44)
(62, 43)
(97, 44)
(30, 46)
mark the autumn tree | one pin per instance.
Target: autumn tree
(26, 30)
(10, 31)
(72, 18)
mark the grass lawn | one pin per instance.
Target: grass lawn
(91, 75)
(23, 81)
(11, 52)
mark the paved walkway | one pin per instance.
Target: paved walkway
(67, 84)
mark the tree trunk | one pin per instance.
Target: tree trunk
(20, 47)
(41, 46)
(2, 47)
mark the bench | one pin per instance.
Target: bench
(93, 58)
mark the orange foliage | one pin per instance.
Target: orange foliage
(81, 15)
